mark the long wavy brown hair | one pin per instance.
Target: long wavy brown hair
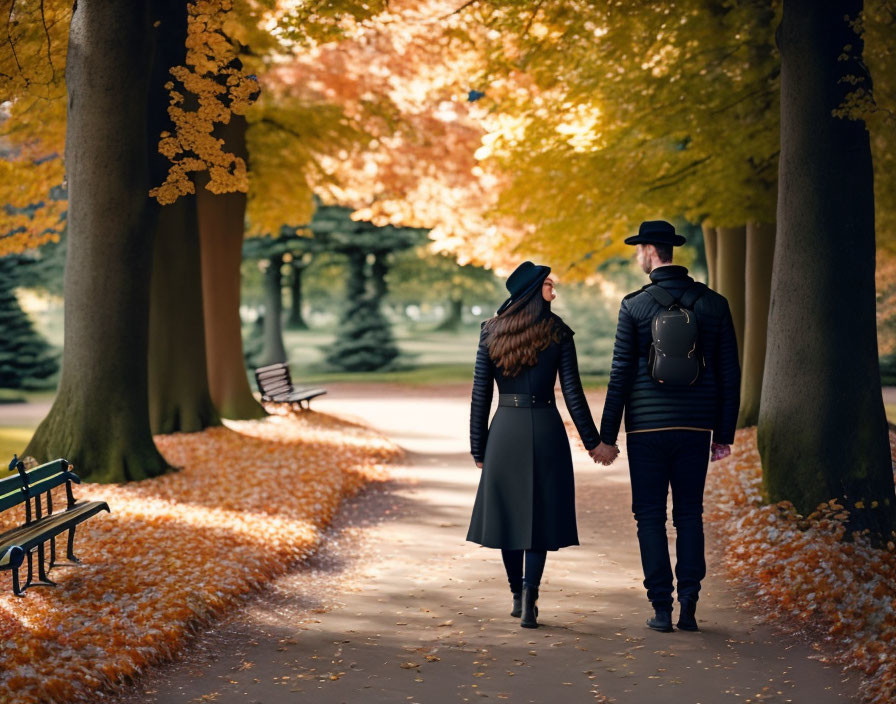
(515, 337)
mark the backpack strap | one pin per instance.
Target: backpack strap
(691, 294)
(660, 295)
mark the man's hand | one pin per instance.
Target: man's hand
(604, 453)
(719, 451)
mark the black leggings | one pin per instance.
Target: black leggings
(513, 563)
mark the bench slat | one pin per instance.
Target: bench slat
(31, 535)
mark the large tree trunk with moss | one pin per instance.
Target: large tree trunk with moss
(760, 256)
(273, 350)
(710, 238)
(731, 259)
(221, 222)
(179, 397)
(295, 320)
(822, 428)
(100, 418)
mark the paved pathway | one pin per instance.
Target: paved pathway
(399, 608)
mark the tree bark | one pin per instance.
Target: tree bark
(731, 256)
(295, 320)
(710, 238)
(378, 270)
(455, 314)
(99, 420)
(221, 222)
(822, 428)
(179, 399)
(273, 350)
(760, 256)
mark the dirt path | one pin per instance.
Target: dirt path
(399, 608)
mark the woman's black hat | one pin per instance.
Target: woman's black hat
(656, 232)
(524, 280)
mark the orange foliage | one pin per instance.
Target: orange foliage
(803, 573)
(250, 501)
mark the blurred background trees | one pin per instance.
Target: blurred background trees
(344, 187)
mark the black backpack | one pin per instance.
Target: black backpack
(674, 358)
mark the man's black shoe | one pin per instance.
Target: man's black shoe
(687, 620)
(661, 621)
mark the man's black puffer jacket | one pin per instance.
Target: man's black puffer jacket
(712, 403)
(557, 361)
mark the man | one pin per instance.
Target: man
(670, 429)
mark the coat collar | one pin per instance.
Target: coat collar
(669, 271)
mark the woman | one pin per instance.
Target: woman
(525, 504)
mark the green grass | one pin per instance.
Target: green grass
(13, 441)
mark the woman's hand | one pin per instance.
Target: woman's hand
(605, 454)
(479, 464)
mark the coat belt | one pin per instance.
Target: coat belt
(525, 401)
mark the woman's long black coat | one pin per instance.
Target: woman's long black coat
(526, 495)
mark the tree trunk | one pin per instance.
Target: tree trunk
(221, 220)
(760, 255)
(731, 256)
(822, 428)
(179, 397)
(710, 238)
(295, 320)
(100, 418)
(455, 314)
(273, 350)
(378, 270)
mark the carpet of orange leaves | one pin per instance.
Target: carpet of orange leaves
(250, 501)
(805, 576)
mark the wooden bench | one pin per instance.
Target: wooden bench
(20, 543)
(275, 384)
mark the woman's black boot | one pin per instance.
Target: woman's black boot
(517, 604)
(530, 610)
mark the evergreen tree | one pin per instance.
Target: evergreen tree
(27, 361)
(364, 340)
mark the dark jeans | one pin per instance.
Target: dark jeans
(513, 564)
(657, 460)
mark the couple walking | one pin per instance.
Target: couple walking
(675, 376)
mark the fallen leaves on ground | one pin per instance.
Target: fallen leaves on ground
(803, 573)
(251, 501)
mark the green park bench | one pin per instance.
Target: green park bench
(23, 541)
(275, 384)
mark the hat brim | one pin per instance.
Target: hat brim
(535, 285)
(677, 240)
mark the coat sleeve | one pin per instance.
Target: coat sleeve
(727, 382)
(574, 395)
(622, 374)
(481, 402)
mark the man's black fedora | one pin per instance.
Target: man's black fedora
(524, 280)
(656, 232)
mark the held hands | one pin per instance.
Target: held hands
(479, 464)
(604, 453)
(719, 451)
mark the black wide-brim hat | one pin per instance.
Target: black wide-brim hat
(523, 282)
(656, 232)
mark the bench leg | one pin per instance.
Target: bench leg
(42, 579)
(52, 552)
(16, 587)
(70, 553)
